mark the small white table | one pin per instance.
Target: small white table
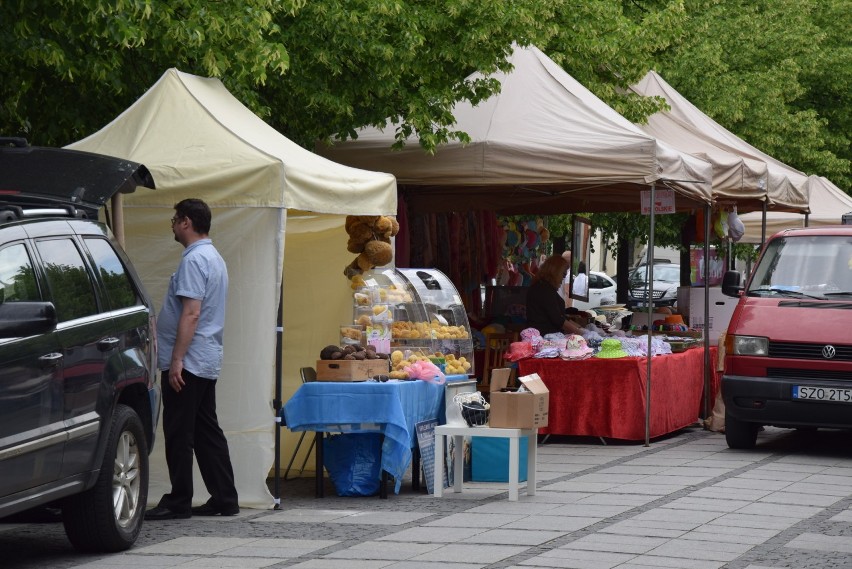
(459, 433)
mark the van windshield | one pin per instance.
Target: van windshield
(816, 266)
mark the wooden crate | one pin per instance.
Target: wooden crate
(350, 370)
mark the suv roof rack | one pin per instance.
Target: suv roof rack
(9, 212)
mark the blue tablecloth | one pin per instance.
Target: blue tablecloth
(392, 408)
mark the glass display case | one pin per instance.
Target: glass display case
(422, 310)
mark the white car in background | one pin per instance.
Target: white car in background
(601, 291)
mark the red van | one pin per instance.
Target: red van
(788, 359)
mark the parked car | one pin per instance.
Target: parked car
(602, 290)
(788, 348)
(79, 402)
(666, 283)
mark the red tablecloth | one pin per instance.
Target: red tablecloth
(606, 397)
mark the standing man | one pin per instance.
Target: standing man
(565, 289)
(189, 335)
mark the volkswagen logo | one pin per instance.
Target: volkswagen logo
(828, 352)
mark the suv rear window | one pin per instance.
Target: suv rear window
(119, 289)
(70, 285)
(17, 278)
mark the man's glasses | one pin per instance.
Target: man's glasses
(175, 219)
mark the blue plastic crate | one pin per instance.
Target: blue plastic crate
(490, 459)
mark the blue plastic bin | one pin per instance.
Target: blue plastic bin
(490, 458)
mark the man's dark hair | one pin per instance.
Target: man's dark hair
(198, 213)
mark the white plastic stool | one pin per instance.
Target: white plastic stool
(459, 433)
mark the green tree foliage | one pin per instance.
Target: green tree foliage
(775, 72)
(364, 62)
(71, 66)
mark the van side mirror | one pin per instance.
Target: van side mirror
(21, 319)
(732, 283)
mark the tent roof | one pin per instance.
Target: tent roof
(787, 187)
(736, 179)
(544, 143)
(192, 133)
(828, 203)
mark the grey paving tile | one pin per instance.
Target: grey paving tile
(646, 489)
(707, 551)
(548, 496)
(475, 520)
(382, 518)
(832, 480)
(588, 487)
(587, 510)
(728, 493)
(433, 565)
(606, 478)
(819, 542)
(844, 516)
(229, 562)
(198, 545)
(619, 499)
(281, 548)
(779, 510)
(823, 489)
(299, 515)
(705, 534)
(383, 550)
(576, 559)
(657, 460)
(634, 469)
(755, 521)
(614, 543)
(143, 561)
(341, 564)
(520, 507)
(457, 553)
(751, 483)
(782, 475)
(514, 537)
(793, 467)
(672, 479)
(669, 515)
(633, 527)
(656, 562)
(696, 471)
(795, 498)
(425, 534)
(565, 524)
(707, 504)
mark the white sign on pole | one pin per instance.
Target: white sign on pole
(664, 202)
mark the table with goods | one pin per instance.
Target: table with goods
(598, 381)
(409, 333)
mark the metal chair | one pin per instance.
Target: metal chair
(308, 374)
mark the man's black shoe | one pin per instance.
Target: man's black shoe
(164, 513)
(209, 509)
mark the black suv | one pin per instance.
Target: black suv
(78, 400)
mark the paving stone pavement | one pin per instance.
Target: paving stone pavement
(685, 501)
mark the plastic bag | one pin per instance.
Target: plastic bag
(736, 228)
(354, 463)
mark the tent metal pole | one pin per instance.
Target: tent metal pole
(650, 297)
(708, 211)
(763, 225)
(276, 404)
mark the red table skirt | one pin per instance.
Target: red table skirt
(606, 397)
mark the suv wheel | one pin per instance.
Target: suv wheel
(739, 434)
(108, 516)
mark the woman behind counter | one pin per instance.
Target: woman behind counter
(545, 308)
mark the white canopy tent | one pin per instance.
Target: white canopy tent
(828, 203)
(199, 141)
(543, 144)
(787, 188)
(738, 180)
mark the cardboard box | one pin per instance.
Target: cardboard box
(350, 370)
(513, 410)
(490, 459)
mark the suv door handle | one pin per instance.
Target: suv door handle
(52, 359)
(107, 344)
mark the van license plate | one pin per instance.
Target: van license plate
(822, 394)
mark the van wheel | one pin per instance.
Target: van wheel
(740, 434)
(108, 516)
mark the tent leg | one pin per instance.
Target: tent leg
(276, 404)
(706, 276)
(650, 298)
